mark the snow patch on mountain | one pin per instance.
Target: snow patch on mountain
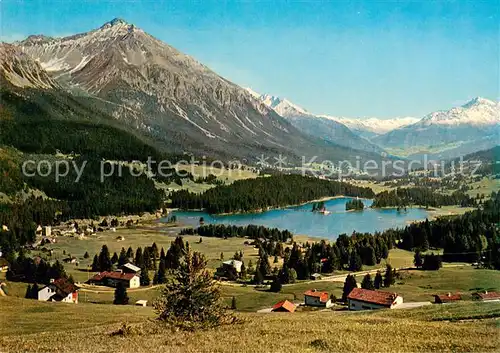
(477, 112)
(374, 125)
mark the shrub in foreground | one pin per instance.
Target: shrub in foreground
(191, 299)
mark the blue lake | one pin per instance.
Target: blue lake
(300, 219)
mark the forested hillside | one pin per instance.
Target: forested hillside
(255, 194)
(420, 196)
(465, 238)
(45, 122)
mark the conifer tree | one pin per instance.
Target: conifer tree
(243, 273)
(154, 250)
(258, 278)
(139, 259)
(122, 258)
(349, 285)
(104, 259)
(377, 283)
(355, 262)
(145, 281)
(86, 255)
(276, 285)
(233, 303)
(121, 296)
(191, 298)
(114, 258)
(263, 264)
(389, 278)
(161, 275)
(250, 267)
(417, 259)
(130, 253)
(367, 282)
(28, 292)
(95, 264)
(34, 291)
(146, 256)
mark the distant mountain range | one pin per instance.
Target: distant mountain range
(372, 127)
(443, 134)
(160, 94)
(319, 126)
(446, 134)
(120, 76)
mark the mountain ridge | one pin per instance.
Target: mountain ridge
(146, 84)
(449, 133)
(316, 125)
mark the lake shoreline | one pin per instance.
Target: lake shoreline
(299, 219)
(261, 210)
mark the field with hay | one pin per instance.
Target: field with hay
(31, 326)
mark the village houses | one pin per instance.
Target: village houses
(284, 306)
(487, 296)
(317, 298)
(59, 290)
(446, 298)
(365, 299)
(112, 278)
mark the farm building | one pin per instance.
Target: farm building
(111, 279)
(230, 269)
(487, 296)
(284, 306)
(230, 264)
(446, 298)
(59, 290)
(317, 298)
(141, 302)
(365, 299)
(131, 268)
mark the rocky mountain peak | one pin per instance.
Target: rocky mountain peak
(115, 22)
(478, 101)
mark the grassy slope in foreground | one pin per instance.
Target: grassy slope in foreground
(34, 327)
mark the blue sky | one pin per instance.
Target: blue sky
(344, 58)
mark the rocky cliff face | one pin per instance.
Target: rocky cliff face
(20, 70)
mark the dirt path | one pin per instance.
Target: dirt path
(101, 289)
(342, 277)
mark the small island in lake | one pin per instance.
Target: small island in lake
(354, 204)
(320, 207)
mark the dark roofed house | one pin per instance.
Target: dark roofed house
(112, 278)
(284, 306)
(365, 299)
(487, 296)
(59, 290)
(446, 298)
